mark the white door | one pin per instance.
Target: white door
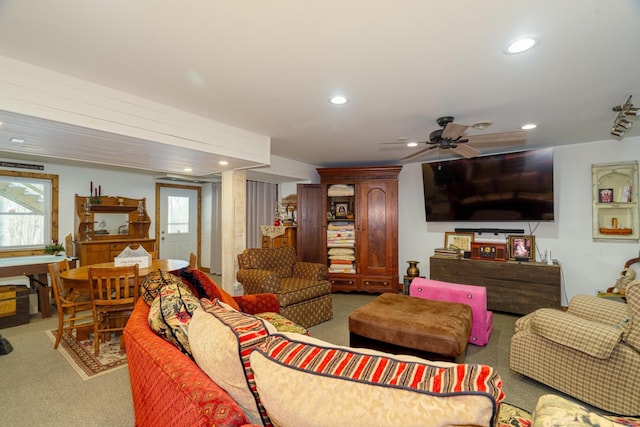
(178, 222)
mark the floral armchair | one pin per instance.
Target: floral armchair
(590, 352)
(302, 288)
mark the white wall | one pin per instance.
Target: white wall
(587, 265)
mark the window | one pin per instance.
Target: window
(178, 214)
(28, 210)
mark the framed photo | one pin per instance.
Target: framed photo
(605, 195)
(461, 241)
(522, 247)
(341, 209)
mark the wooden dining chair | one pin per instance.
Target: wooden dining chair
(192, 260)
(114, 292)
(73, 307)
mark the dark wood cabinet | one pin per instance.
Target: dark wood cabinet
(310, 223)
(512, 287)
(369, 215)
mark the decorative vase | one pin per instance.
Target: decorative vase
(413, 270)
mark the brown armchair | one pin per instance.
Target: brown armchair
(303, 289)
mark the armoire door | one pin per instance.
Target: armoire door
(377, 228)
(310, 221)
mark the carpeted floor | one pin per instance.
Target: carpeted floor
(39, 387)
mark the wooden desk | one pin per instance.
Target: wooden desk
(35, 267)
(78, 278)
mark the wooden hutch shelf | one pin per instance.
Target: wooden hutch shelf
(104, 229)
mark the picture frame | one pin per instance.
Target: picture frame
(605, 195)
(522, 246)
(341, 209)
(459, 240)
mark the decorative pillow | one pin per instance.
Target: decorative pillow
(170, 314)
(281, 323)
(365, 388)
(150, 288)
(221, 341)
(205, 287)
(554, 410)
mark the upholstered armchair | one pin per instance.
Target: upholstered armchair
(590, 352)
(302, 288)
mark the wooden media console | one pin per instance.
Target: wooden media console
(512, 287)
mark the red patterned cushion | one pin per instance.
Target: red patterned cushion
(221, 341)
(258, 303)
(398, 389)
(205, 287)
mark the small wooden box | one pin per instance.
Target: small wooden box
(487, 251)
(14, 306)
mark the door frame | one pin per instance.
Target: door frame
(197, 188)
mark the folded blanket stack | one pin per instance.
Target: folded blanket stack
(341, 241)
(340, 190)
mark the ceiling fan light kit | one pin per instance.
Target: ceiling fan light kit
(622, 123)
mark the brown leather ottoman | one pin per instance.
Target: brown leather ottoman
(434, 330)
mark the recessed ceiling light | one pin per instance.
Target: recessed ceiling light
(412, 144)
(529, 126)
(17, 140)
(521, 45)
(338, 100)
(223, 163)
(187, 169)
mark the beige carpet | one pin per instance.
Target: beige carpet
(81, 355)
(39, 387)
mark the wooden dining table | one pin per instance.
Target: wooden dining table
(78, 278)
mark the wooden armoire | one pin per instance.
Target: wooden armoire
(353, 228)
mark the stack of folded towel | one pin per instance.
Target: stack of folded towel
(341, 260)
(341, 241)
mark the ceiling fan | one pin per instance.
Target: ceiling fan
(450, 136)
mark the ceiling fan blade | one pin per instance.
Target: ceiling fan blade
(419, 153)
(401, 143)
(465, 151)
(504, 138)
(454, 130)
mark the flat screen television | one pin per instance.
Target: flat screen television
(503, 187)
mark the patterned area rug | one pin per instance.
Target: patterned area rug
(80, 355)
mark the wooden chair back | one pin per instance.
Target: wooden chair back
(114, 292)
(68, 302)
(192, 260)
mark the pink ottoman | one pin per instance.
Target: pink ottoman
(474, 296)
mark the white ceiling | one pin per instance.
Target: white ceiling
(270, 67)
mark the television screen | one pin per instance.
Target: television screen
(504, 187)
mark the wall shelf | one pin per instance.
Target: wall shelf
(615, 201)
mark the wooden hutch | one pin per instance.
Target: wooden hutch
(104, 226)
